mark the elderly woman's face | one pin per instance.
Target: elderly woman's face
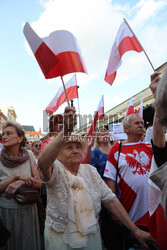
(71, 153)
(10, 137)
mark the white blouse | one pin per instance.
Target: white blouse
(58, 194)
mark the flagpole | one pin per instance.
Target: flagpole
(78, 103)
(140, 45)
(65, 91)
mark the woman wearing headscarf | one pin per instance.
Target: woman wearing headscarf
(18, 169)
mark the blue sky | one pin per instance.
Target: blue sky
(95, 24)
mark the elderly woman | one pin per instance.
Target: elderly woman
(18, 169)
(75, 192)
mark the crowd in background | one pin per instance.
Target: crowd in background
(114, 192)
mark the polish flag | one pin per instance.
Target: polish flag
(57, 54)
(125, 41)
(99, 115)
(60, 97)
(140, 110)
(130, 109)
(158, 222)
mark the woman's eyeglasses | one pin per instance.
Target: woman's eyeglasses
(37, 145)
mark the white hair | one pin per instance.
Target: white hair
(127, 120)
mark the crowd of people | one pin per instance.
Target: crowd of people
(91, 195)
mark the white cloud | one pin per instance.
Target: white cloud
(95, 24)
(90, 21)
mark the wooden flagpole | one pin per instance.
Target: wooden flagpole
(78, 104)
(65, 91)
(140, 45)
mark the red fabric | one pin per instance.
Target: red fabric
(46, 59)
(72, 93)
(127, 195)
(93, 125)
(158, 227)
(45, 141)
(124, 42)
(55, 60)
(69, 62)
(99, 115)
(144, 220)
(110, 78)
(127, 44)
(60, 65)
(130, 109)
(137, 184)
(134, 165)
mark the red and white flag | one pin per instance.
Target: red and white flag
(57, 54)
(60, 97)
(99, 115)
(125, 41)
(130, 109)
(158, 222)
(140, 110)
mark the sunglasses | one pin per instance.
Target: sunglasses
(37, 145)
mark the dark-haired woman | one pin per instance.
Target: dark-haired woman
(18, 169)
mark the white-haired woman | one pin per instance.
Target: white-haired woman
(75, 192)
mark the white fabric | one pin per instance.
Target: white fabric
(54, 241)
(140, 110)
(159, 177)
(149, 134)
(154, 194)
(33, 39)
(71, 83)
(58, 194)
(81, 217)
(134, 165)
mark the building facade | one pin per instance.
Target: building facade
(117, 113)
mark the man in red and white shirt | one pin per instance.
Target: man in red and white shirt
(133, 171)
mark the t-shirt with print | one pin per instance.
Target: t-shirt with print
(134, 165)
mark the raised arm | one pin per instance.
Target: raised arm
(87, 159)
(50, 153)
(158, 130)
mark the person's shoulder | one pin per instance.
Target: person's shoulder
(147, 144)
(87, 168)
(96, 151)
(30, 152)
(115, 146)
